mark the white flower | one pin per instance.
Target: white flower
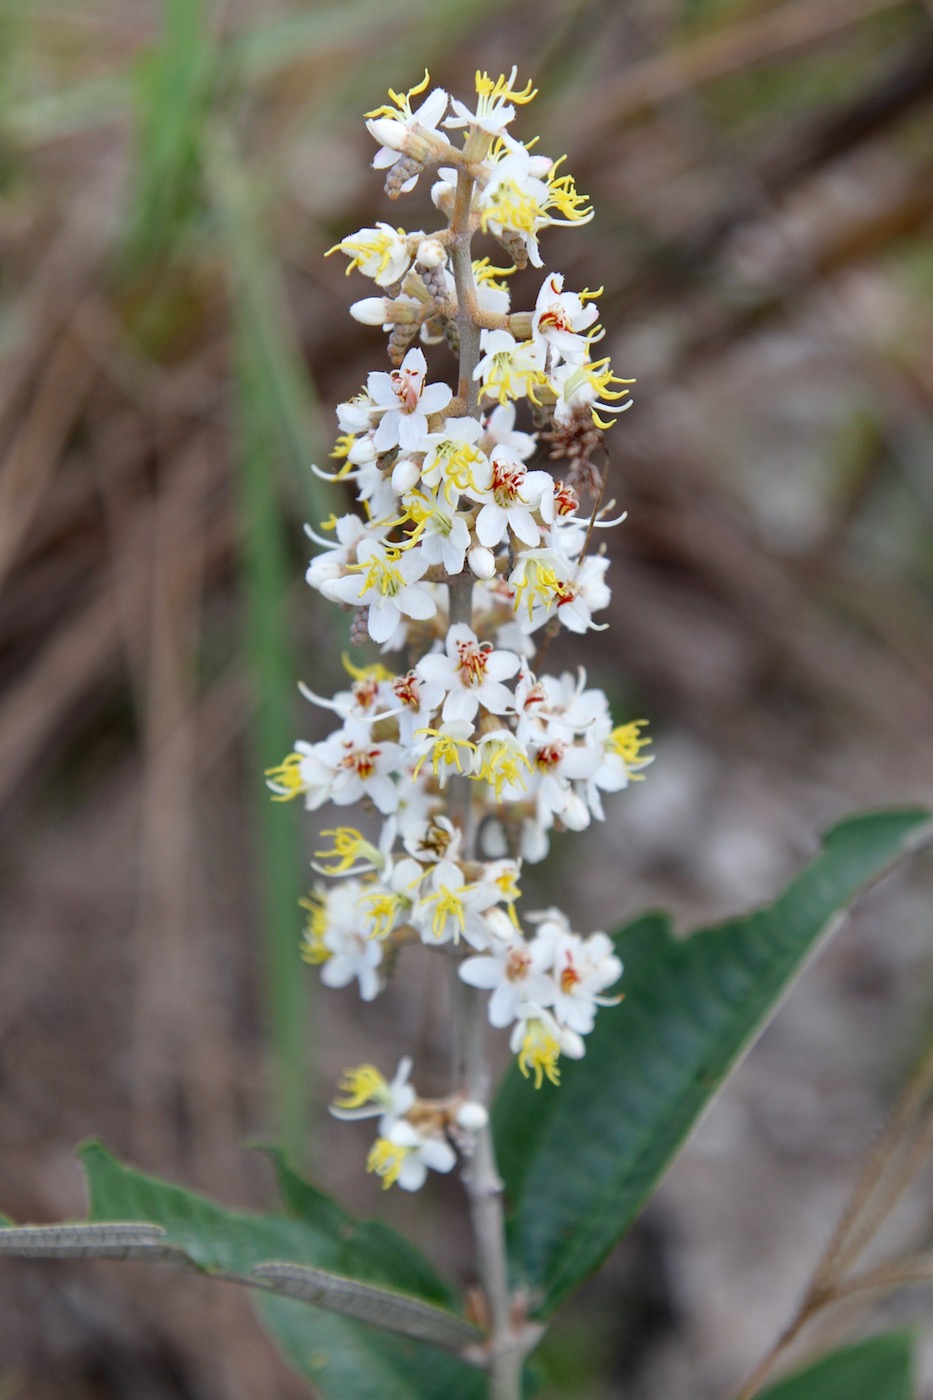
(359, 766)
(546, 582)
(515, 972)
(585, 385)
(366, 1094)
(304, 774)
(584, 591)
(419, 701)
(559, 319)
(622, 762)
(471, 673)
(443, 536)
(539, 1041)
(509, 494)
(389, 587)
(453, 909)
(385, 904)
(582, 968)
(452, 458)
(380, 253)
(500, 760)
(392, 127)
(349, 531)
(406, 403)
(404, 1155)
(509, 368)
(559, 764)
(493, 110)
(449, 747)
(432, 840)
(334, 940)
(499, 428)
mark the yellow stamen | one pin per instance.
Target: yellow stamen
(402, 100)
(627, 742)
(538, 580)
(539, 1054)
(349, 846)
(449, 905)
(380, 910)
(485, 275)
(361, 1085)
(380, 575)
(446, 750)
(374, 672)
(502, 89)
(286, 779)
(386, 1159)
(313, 948)
(502, 764)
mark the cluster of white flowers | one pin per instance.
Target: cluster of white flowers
(413, 1134)
(448, 500)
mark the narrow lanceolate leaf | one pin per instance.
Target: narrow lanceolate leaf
(393, 1311)
(878, 1369)
(90, 1241)
(344, 1358)
(580, 1160)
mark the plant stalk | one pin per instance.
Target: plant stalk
(481, 1178)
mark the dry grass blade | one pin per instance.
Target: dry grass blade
(28, 466)
(765, 38)
(889, 1170)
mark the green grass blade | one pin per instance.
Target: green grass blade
(275, 432)
(266, 579)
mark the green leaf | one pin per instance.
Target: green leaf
(579, 1161)
(878, 1369)
(345, 1359)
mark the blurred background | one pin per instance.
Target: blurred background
(171, 347)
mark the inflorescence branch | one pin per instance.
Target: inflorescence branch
(463, 559)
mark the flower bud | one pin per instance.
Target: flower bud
(499, 924)
(571, 1044)
(539, 167)
(388, 132)
(482, 561)
(472, 1117)
(575, 814)
(371, 311)
(431, 253)
(405, 475)
(362, 452)
(441, 192)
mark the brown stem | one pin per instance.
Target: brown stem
(481, 1176)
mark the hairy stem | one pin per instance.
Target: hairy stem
(460, 236)
(481, 1177)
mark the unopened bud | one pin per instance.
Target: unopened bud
(539, 167)
(482, 561)
(472, 1117)
(371, 311)
(405, 475)
(362, 452)
(571, 1045)
(388, 133)
(441, 194)
(575, 814)
(431, 253)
